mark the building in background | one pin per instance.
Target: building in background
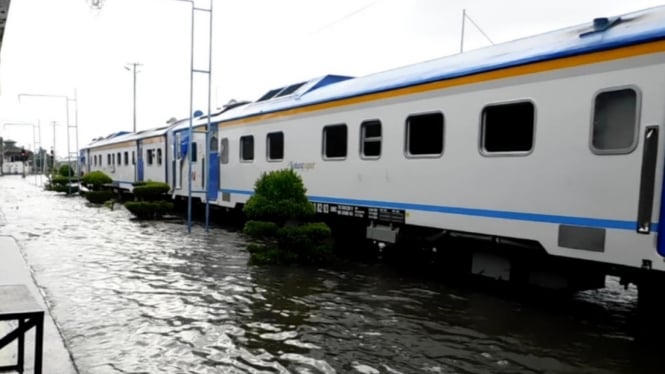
(15, 159)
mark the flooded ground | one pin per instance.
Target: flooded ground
(134, 297)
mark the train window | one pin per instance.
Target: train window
(126, 158)
(108, 159)
(508, 128)
(150, 154)
(334, 142)
(159, 156)
(194, 151)
(214, 144)
(247, 148)
(275, 146)
(615, 119)
(119, 159)
(424, 134)
(224, 159)
(133, 158)
(370, 139)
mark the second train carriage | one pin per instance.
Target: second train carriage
(128, 157)
(553, 142)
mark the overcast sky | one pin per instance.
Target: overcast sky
(59, 47)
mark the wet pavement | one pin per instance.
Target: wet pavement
(146, 297)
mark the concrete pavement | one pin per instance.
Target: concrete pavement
(14, 270)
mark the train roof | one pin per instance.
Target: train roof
(124, 136)
(596, 35)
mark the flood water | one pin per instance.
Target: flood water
(146, 297)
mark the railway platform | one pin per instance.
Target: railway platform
(56, 357)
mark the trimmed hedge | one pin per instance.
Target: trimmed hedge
(279, 196)
(151, 204)
(95, 180)
(151, 191)
(60, 183)
(149, 209)
(66, 171)
(279, 211)
(99, 197)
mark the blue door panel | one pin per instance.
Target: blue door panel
(213, 176)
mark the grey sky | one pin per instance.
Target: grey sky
(56, 46)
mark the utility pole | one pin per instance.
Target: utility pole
(2, 155)
(134, 65)
(53, 161)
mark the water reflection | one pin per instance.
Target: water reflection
(148, 298)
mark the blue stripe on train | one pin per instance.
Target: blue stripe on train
(518, 216)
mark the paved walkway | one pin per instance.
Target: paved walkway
(13, 270)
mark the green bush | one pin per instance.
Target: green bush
(66, 171)
(279, 196)
(279, 211)
(99, 197)
(257, 229)
(151, 191)
(60, 180)
(261, 254)
(311, 242)
(95, 180)
(149, 209)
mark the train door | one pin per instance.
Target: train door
(616, 133)
(139, 162)
(213, 165)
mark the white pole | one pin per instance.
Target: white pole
(191, 115)
(461, 43)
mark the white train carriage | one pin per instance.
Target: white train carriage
(128, 157)
(115, 155)
(555, 140)
(152, 161)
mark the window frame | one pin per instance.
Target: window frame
(194, 151)
(323, 142)
(241, 148)
(481, 144)
(224, 151)
(364, 139)
(268, 146)
(407, 152)
(638, 112)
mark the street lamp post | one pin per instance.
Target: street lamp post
(67, 100)
(134, 71)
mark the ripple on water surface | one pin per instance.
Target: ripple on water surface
(136, 297)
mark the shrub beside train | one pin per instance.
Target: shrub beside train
(551, 144)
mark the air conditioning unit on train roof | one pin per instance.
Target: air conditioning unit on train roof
(301, 88)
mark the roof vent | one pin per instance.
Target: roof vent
(602, 24)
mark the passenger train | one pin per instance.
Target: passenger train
(551, 144)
